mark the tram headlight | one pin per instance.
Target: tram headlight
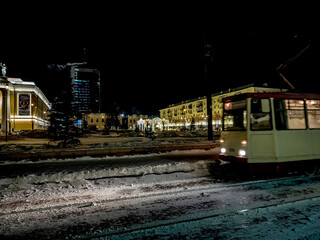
(244, 142)
(242, 153)
(223, 150)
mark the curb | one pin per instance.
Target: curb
(100, 152)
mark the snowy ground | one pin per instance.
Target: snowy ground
(156, 196)
(30, 188)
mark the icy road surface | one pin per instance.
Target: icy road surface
(159, 196)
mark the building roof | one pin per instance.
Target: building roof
(280, 95)
(17, 84)
(219, 93)
(184, 102)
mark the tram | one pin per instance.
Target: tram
(272, 131)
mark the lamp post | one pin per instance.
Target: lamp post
(32, 116)
(6, 110)
(208, 56)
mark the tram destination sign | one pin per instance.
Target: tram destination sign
(235, 105)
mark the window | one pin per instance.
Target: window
(289, 114)
(260, 118)
(313, 112)
(235, 116)
(200, 107)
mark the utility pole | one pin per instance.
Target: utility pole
(208, 57)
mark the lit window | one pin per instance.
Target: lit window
(289, 114)
(313, 111)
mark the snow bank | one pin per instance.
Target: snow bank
(104, 173)
(96, 174)
(86, 158)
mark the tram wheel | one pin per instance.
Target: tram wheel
(312, 170)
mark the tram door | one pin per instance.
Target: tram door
(261, 135)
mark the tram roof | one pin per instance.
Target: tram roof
(290, 95)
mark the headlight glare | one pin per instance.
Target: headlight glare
(223, 150)
(242, 152)
(244, 142)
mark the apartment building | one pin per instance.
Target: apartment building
(193, 113)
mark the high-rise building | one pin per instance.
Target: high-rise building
(86, 89)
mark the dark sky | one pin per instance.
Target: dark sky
(149, 61)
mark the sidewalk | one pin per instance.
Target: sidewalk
(98, 145)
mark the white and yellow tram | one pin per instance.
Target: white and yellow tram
(272, 131)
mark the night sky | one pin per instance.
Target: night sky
(149, 61)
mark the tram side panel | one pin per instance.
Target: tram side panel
(315, 139)
(294, 145)
(261, 147)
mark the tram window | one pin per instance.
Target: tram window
(313, 110)
(289, 114)
(235, 120)
(235, 116)
(260, 118)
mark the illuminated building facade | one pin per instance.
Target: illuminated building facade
(142, 122)
(134, 119)
(86, 89)
(99, 120)
(183, 114)
(23, 106)
(194, 112)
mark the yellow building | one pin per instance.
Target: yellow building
(23, 106)
(183, 114)
(133, 121)
(99, 120)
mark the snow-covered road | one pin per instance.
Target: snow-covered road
(173, 199)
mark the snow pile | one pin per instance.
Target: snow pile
(96, 174)
(132, 169)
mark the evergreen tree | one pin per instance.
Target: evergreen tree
(113, 112)
(56, 121)
(63, 117)
(124, 123)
